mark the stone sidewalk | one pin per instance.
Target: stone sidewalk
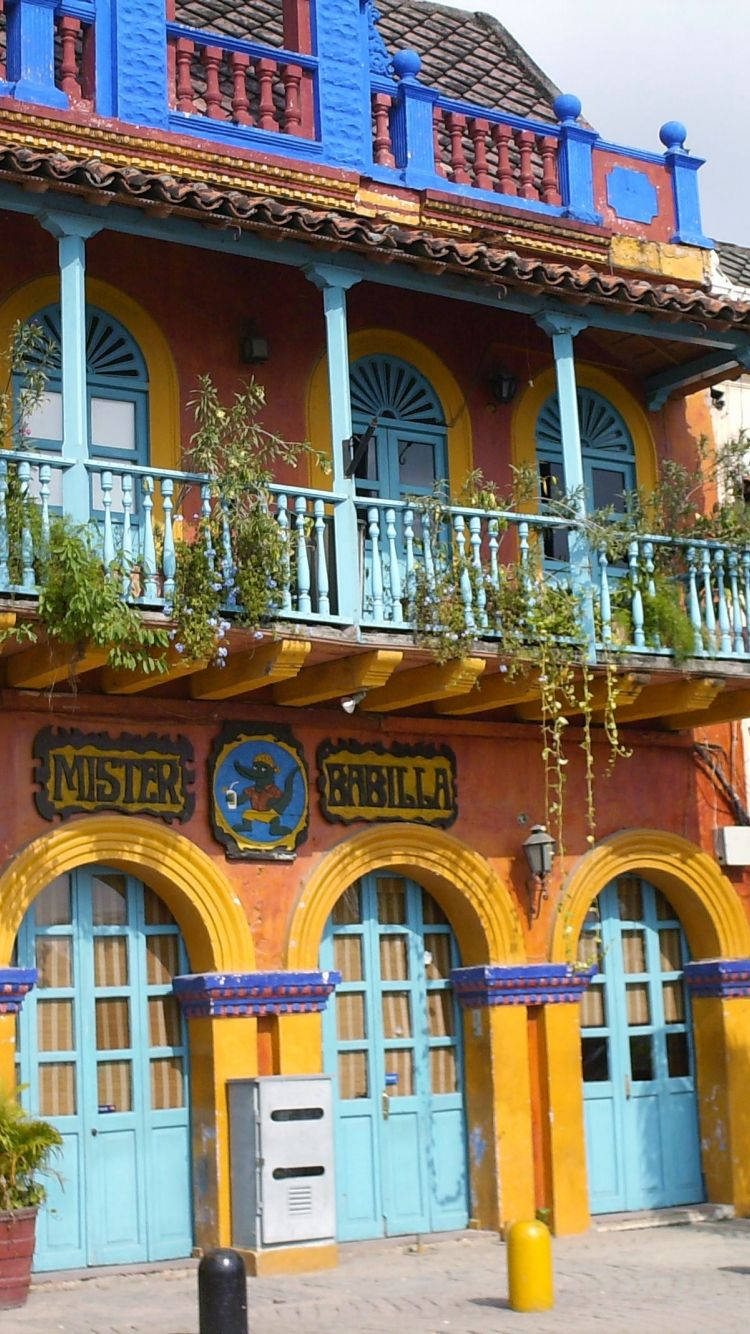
(687, 1279)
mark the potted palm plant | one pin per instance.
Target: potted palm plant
(26, 1147)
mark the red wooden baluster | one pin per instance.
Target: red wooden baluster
(88, 63)
(382, 146)
(291, 76)
(502, 136)
(525, 141)
(184, 52)
(2, 66)
(212, 57)
(240, 104)
(169, 14)
(478, 133)
(266, 70)
(437, 126)
(69, 30)
(456, 130)
(548, 148)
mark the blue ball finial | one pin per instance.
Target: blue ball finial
(673, 134)
(407, 64)
(567, 107)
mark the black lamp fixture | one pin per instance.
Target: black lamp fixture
(253, 347)
(539, 849)
(502, 385)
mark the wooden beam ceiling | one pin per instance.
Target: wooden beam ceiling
(338, 678)
(424, 685)
(244, 672)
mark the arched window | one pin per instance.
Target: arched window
(117, 389)
(407, 453)
(606, 446)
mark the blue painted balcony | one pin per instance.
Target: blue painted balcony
(328, 94)
(139, 512)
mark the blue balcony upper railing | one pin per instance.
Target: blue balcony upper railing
(139, 513)
(123, 59)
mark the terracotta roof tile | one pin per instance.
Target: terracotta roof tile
(734, 261)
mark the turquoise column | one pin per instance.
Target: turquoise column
(334, 284)
(71, 234)
(562, 329)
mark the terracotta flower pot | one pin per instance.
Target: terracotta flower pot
(16, 1250)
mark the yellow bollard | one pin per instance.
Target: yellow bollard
(530, 1267)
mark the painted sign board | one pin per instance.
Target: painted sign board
(259, 792)
(80, 772)
(398, 782)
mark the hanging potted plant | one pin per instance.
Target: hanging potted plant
(26, 1147)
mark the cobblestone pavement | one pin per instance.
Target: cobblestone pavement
(685, 1279)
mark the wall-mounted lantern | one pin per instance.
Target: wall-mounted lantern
(539, 850)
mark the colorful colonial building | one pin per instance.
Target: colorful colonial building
(434, 265)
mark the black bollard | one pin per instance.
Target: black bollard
(222, 1293)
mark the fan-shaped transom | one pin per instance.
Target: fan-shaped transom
(603, 430)
(388, 388)
(111, 352)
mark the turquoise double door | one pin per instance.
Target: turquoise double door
(102, 1053)
(642, 1135)
(392, 1043)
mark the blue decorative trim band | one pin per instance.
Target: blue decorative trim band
(530, 984)
(238, 995)
(718, 977)
(15, 984)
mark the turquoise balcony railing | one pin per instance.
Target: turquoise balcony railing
(139, 514)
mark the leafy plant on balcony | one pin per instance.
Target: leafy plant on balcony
(237, 558)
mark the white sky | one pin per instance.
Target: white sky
(636, 63)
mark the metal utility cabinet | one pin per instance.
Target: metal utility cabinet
(281, 1157)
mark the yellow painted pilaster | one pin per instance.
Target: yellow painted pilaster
(722, 1047)
(301, 1043)
(220, 1050)
(498, 1104)
(562, 1086)
(7, 1053)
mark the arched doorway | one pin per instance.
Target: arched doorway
(103, 1054)
(392, 1042)
(641, 1113)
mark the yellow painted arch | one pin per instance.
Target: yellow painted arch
(391, 343)
(163, 393)
(531, 401)
(195, 889)
(478, 905)
(705, 901)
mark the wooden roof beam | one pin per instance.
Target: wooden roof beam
(425, 685)
(47, 664)
(496, 691)
(727, 708)
(132, 683)
(338, 679)
(671, 697)
(268, 663)
(629, 688)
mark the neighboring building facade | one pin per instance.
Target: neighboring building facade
(323, 839)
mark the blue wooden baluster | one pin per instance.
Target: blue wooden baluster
(738, 643)
(321, 565)
(694, 606)
(429, 563)
(150, 586)
(227, 560)
(109, 541)
(27, 540)
(604, 597)
(494, 545)
(708, 598)
(169, 560)
(475, 538)
(648, 565)
(464, 578)
(208, 537)
(45, 483)
(411, 578)
(746, 586)
(523, 553)
(4, 544)
(282, 518)
(127, 535)
(304, 604)
(636, 601)
(725, 637)
(397, 610)
(376, 573)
